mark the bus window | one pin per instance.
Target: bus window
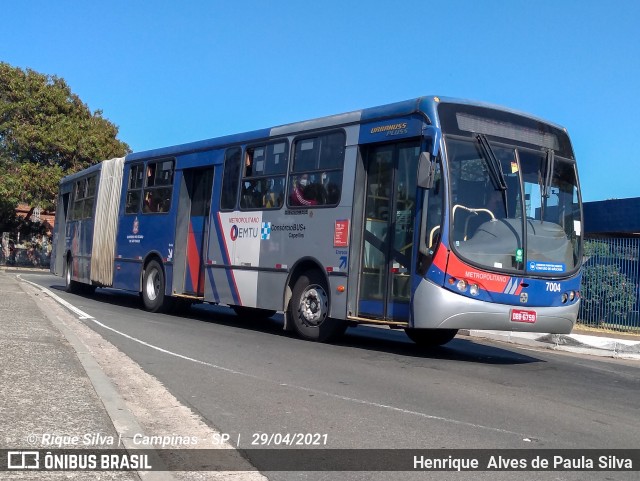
(134, 192)
(78, 194)
(84, 191)
(263, 179)
(158, 187)
(90, 192)
(316, 177)
(231, 177)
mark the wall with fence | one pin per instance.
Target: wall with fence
(25, 257)
(610, 278)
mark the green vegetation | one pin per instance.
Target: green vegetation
(608, 295)
(46, 132)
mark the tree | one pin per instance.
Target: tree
(46, 132)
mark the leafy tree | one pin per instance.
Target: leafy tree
(46, 132)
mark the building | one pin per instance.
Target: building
(612, 218)
(30, 213)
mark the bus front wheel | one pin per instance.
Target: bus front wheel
(431, 337)
(153, 285)
(309, 309)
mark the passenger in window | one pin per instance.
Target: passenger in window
(333, 193)
(248, 167)
(151, 174)
(148, 203)
(273, 195)
(300, 194)
(495, 203)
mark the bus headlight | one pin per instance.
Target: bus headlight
(474, 290)
(572, 295)
(564, 297)
(462, 285)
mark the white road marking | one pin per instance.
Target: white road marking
(84, 316)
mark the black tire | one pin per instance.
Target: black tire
(69, 284)
(153, 285)
(431, 337)
(309, 309)
(253, 312)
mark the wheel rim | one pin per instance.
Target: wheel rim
(313, 305)
(67, 277)
(152, 286)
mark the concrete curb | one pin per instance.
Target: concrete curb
(123, 420)
(576, 343)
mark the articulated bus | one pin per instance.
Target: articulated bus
(429, 215)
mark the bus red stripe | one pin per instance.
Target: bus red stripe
(193, 258)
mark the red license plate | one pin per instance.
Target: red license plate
(520, 315)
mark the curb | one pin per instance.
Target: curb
(575, 343)
(123, 419)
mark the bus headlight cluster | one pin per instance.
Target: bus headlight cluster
(462, 285)
(569, 296)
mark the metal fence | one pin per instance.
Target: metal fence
(610, 277)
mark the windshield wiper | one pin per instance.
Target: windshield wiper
(495, 169)
(548, 177)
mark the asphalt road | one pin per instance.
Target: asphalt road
(374, 389)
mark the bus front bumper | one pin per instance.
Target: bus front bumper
(437, 308)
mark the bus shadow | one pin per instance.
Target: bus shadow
(106, 296)
(387, 341)
(198, 312)
(459, 349)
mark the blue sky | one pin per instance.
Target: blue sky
(171, 72)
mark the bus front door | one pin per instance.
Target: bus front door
(192, 232)
(387, 244)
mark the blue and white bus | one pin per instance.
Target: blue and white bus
(429, 215)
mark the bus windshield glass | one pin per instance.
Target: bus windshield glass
(514, 208)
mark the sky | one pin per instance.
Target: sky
(168, 72)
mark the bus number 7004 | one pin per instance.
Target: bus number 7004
(553, 287)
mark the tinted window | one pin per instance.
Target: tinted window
(231, 178)
(84, 192)
(317, 170)
(263, 178)
(134, 193)
(158, 187)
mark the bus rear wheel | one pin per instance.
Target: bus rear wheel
(309, 309)
(153, 285)
(69, 284)
(431, 337)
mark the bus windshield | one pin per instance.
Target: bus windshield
(513, 208)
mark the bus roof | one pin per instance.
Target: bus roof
(425, 106)
(89, 170)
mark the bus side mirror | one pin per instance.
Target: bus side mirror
(426, 168)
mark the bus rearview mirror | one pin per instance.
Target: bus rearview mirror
(426, 169)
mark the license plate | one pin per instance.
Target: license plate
(520, 315)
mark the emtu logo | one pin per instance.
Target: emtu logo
(234, 232)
